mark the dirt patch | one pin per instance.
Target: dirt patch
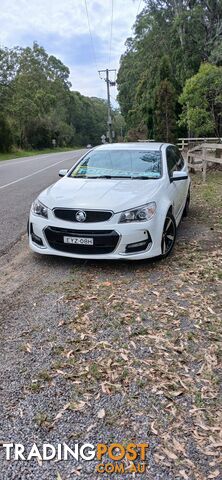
(139, 342)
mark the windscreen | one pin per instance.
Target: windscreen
(131, 164)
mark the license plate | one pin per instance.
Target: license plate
(78, 240)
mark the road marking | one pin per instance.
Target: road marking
(32, 174)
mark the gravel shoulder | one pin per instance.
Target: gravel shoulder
(139, 342)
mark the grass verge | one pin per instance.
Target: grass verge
(30, 153)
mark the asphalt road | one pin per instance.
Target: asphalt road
(21, 180)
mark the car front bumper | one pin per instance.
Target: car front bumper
(111, 241)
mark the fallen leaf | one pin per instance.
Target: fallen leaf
(213, 313)
(60, 413)
(28, 348)
(124, 357)
(101, 413)
(178, 446)
(214, 474)
(170, 454)
(153, 429)
(183, 474)
(156, 293)
(215, 445)
(191, 464)
(76, 406)
(204, 427)
(69, 354)
(177, 393)
(93, 425)
(77, 472)
(105, 389)
(158, 458)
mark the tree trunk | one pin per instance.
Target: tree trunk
(178, 9)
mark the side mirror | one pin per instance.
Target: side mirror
(63, 172)
(178, 175)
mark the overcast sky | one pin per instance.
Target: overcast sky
(61, 27)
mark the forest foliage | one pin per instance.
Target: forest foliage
(37, 104)
(170, 76)
(169, 84)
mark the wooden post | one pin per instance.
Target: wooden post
(204, 164)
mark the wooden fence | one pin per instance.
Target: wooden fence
(200, 156)
(184, 143)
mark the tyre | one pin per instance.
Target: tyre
(28, 228)
(187, 205)
(168, 235)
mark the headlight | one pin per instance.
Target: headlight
(39, 209)
(139, 214)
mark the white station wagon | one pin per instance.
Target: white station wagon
(119, 201)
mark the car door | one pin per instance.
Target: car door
(177, 190)
(182, 184)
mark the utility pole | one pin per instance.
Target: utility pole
(109, 84)
(109, 120)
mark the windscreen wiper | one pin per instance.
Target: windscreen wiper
(107, 176)
(144, 178)
(93, 176)
(115, 177)
(99, 176)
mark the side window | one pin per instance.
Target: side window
(175, 160)
(180, 160)
(171, 160)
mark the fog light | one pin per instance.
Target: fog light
(137, 246)
(35, 238)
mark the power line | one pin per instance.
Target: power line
(91, 37)
(111, 31)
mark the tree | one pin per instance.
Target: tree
(138, 133)
(5, 135)
(188, 33)
(37, 103)
(165, 118)
(38, 133)
(119, 125)
(202, 101)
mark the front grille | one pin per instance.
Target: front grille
(92, 216)
(105, 241)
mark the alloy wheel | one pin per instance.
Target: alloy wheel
(169, 235)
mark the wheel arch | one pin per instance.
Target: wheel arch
(165, 207)
(170, 209)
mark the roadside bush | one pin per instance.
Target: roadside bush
(5, 135)
(38, 134)
(139, 133)
(65, 135)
